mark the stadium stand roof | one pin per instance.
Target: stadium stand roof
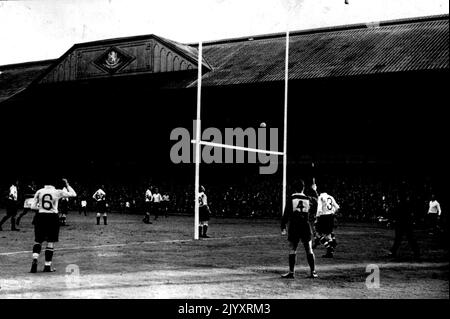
(414, 44)
(16, 77)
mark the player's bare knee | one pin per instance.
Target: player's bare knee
(308, 247)
(292, 248)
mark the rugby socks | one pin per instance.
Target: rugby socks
(98, 219)
(13, 223)
(205, 229)
(292, 259)
(48, 256)
(311, 262)
(200, 231)
(36, 250)
(105, 219)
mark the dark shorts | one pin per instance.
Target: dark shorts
(11, 208)
(325, 224)
(63, 207)
(204, 213)
(299, 230)
(156, 207)
(46, 227)
(148, 207)
(101, 206)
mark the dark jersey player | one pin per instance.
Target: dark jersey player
(296, 218)
(30, 190)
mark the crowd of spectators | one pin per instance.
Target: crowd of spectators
(361, 198)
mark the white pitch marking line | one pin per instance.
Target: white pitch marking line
(173, 241)
(239, 148)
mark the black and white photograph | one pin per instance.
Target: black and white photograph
(237, 151)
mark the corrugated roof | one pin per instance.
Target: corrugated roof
(406, 45)
(413, 44)
(15, 77)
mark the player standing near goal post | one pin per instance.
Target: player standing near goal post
(203, 213)
(100, 201)
(296, 218)
(46, 222)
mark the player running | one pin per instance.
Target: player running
(326, 210)
(11, 207)
(204, 213)
(46, 222)
(100, 201)
(296, 217)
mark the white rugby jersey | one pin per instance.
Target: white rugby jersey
(148, 195)
(83, 203)
(99, 195)
(165, 198)
(434, 208)
(202, 199)
(157, 198)
(47, 198)
(326, 205)
(13, 193)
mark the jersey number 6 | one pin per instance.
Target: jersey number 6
(47, 202)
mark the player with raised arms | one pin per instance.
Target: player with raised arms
(296, 218)
(46, 222)
(100, 200)
(326, 210)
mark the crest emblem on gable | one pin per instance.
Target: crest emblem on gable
(113, 60)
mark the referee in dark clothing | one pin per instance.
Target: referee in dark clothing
(403, 215)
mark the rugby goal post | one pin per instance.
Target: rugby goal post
(198, 142)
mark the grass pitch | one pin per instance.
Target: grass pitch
(244, 258)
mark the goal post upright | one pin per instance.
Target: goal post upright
(197, 143)
(285, 158)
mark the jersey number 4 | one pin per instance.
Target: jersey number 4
(302, 205)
